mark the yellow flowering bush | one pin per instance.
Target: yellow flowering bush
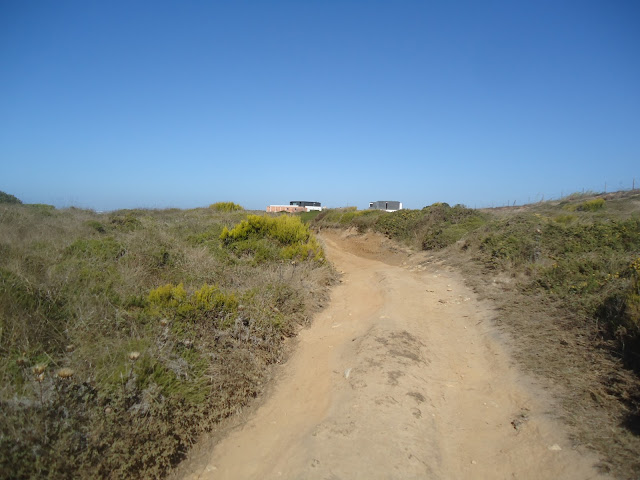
(257, 234)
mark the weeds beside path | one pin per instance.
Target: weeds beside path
(125, 335)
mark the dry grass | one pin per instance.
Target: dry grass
(98, 383)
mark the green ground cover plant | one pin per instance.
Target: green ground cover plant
(436, 226)
(125, 335)
(583, 264)
(307, 217)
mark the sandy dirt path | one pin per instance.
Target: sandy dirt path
(403, 376)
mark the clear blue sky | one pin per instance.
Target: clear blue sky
(114, 104)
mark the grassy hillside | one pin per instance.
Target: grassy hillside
(123, 336)
(565, 277)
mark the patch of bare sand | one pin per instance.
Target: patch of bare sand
(403, 376)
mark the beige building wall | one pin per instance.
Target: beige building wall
(285, 208)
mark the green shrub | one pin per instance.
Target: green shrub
(450, 233)
(584, 193)
(226, 207)
(307, 217)
(434, 227)
(8, 198)
(620, 313)
(366, 219)
(97, 226)
(400, 225)
(587, 266)
(508, 247)
(446, 225)
(211, 298)
(564, 219)
(260, 250)
(103, 249)
(337, 216)
(211, 236)
(168, 296)
(30, 315)
(208, 302)
(592, 205)
(127, 222)
(531, 238)
(41, 208)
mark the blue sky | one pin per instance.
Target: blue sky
(116, 104)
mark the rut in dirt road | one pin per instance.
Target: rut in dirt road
(403, 376)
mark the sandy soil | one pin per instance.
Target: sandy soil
(402, 376)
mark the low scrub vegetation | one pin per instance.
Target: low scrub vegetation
(267, 238)
(584, 263)
(124, 336)
(436, 226)
(592, 205)
(226, 207)
(307, 217)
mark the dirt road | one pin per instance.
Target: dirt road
(403, 376)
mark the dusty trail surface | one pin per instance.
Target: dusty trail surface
(403, 376)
